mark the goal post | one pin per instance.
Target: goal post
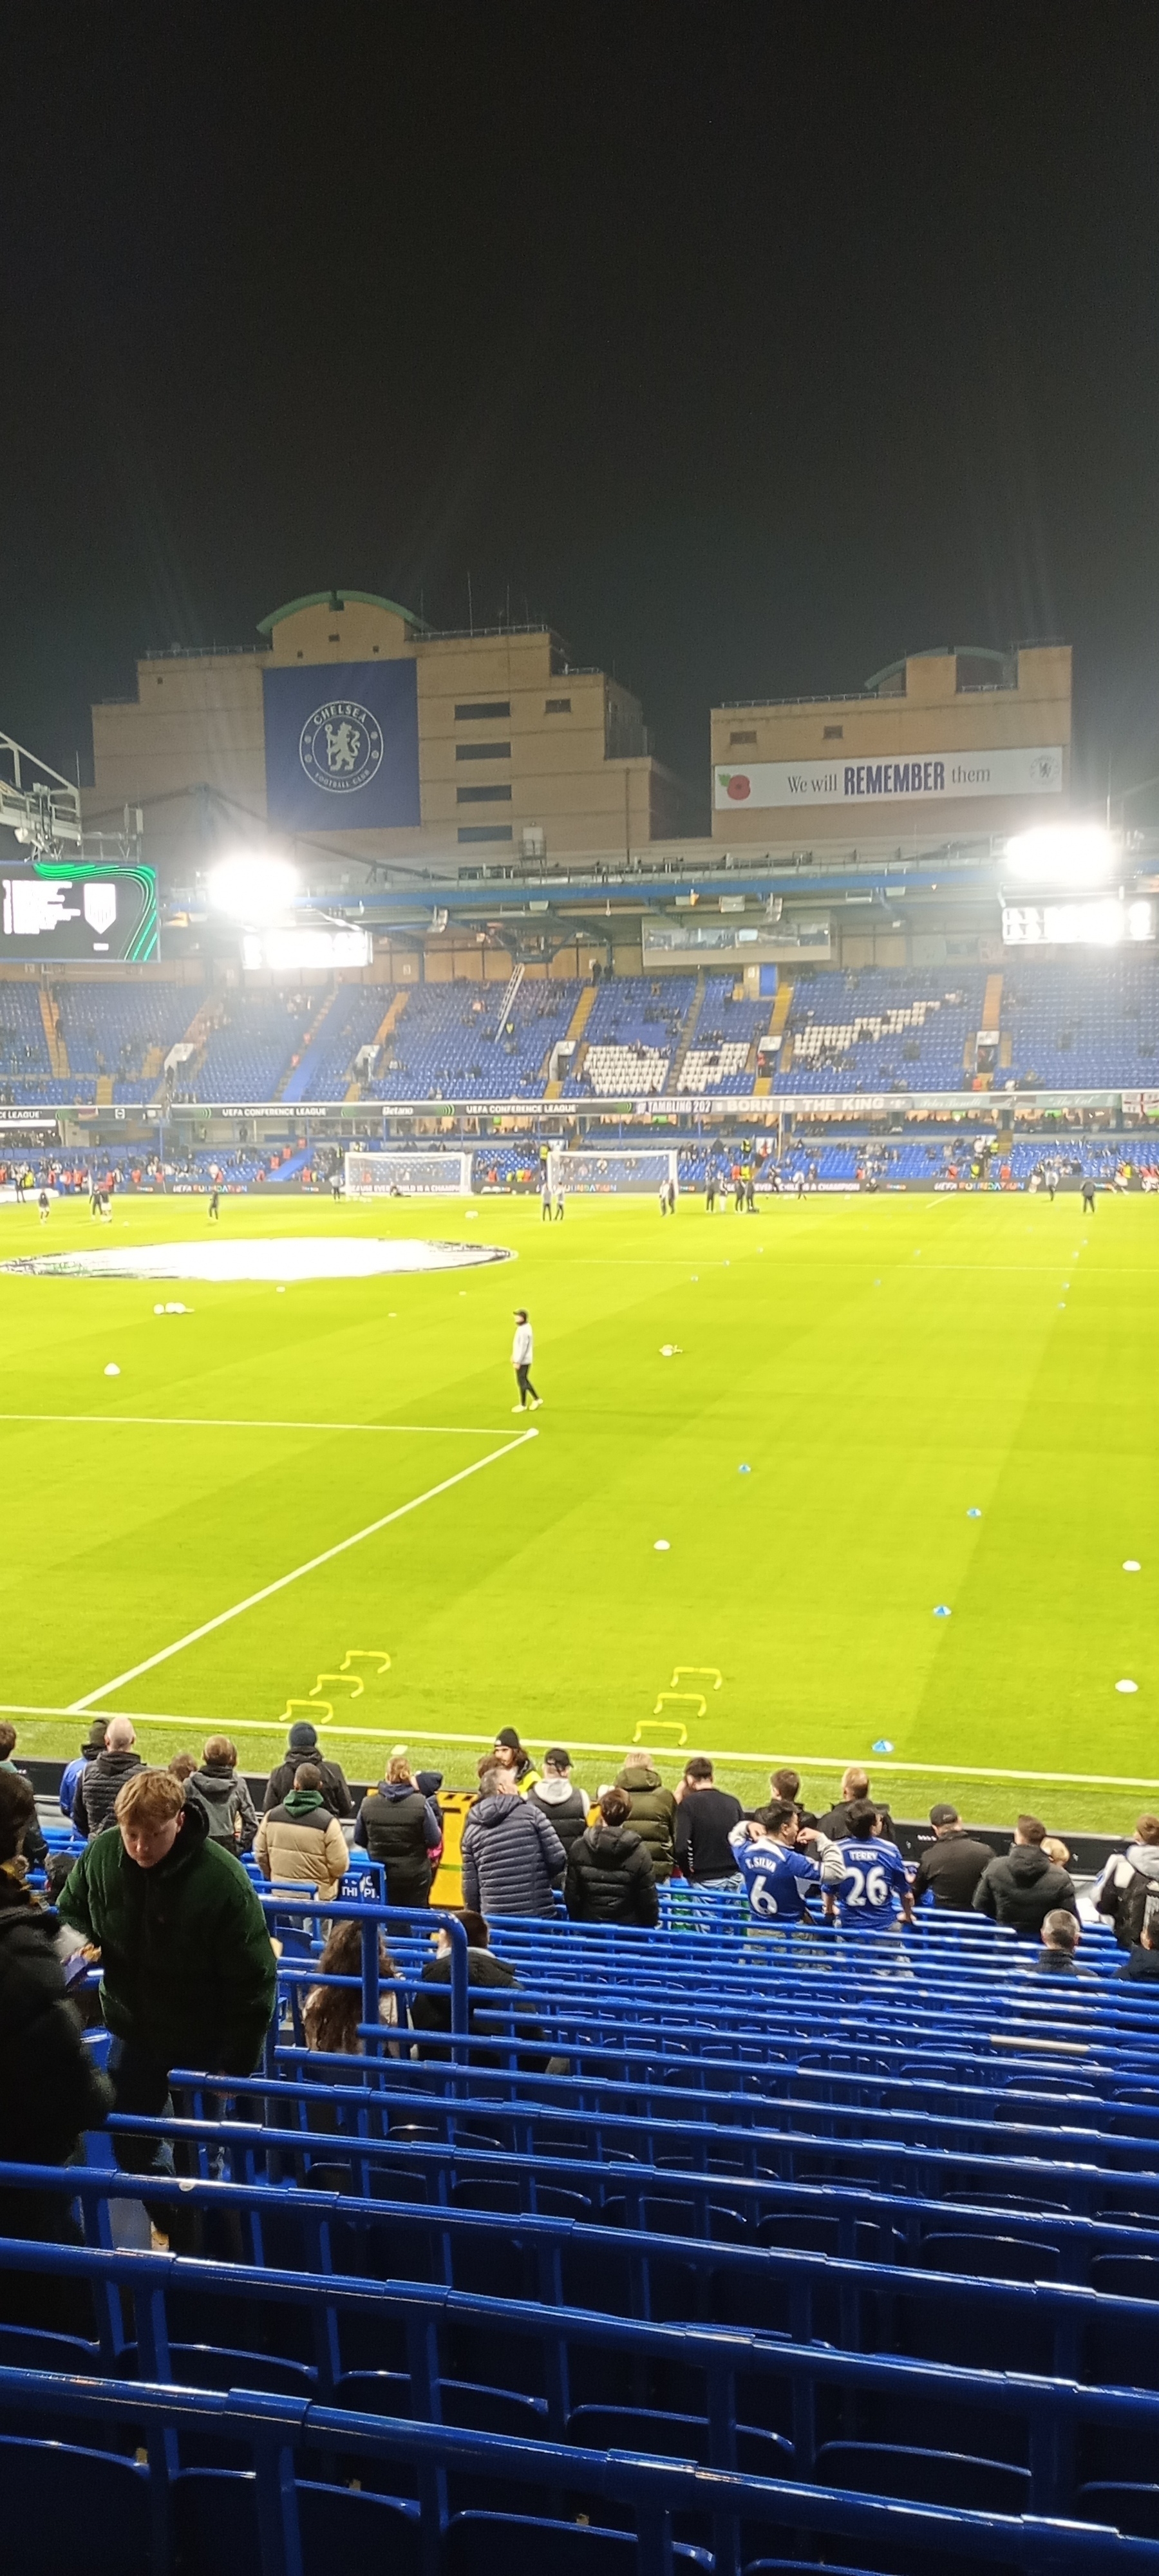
(385, 1176)
(596, 1173)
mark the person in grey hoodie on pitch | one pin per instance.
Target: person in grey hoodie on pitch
(556, 1794)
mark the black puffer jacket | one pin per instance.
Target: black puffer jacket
(98, 1789)
(51, 2089)
(335, 1793)
(511, 1857)
(396, 1826)
(610, 1878)
(1023, 1887)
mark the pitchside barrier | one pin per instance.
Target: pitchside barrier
(386, 1176)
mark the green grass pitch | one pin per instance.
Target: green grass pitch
(882, 1367)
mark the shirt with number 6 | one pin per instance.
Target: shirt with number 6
(867, 1880)
(777, 1875)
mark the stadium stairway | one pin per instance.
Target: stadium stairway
(295, 1081)
(688, 1033)
(389, 1022)
(574, 1031)
(53, 1034)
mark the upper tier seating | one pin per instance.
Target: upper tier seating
(110, 1029)
(862, 2226)
(1079, 1028)
(448, 1044)
(633, 1031)
(877, 1029)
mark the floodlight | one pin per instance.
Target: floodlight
(1062, 854)
(252, 887)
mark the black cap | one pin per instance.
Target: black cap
(302, 1738)
(555, 1754)
(508, 1735)
(944, 1816)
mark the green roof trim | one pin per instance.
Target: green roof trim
(939, 653)
(337, 599)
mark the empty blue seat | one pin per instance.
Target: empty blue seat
(55, 2494)
(915, 2476)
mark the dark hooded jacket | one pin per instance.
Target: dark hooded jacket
(187, 1967)
(653, 1814)
(232, 1815)
(512, 1857)
(51, 2089)
(335, 1793)
(397, 1826)
(98, 1789)
(1022, 1887)
(564, 1806)
(610, 1878)
(836, 1824)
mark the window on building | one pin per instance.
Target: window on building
(485, 832)
(478, 711)
(483, 795)
(740, 737)
(482, 751)
(557, 706)
(833, 733)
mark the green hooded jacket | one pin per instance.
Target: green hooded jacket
(653, 1813)
(188, 1973)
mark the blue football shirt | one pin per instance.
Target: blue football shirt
(875, 1878)
(777, 1878)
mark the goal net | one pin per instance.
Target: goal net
(379, 1176)
(571, 1169)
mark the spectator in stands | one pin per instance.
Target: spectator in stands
(431, 2002)
(331, 2014)
(102, 1780)
(1022, 1886)
(300, 1840)
(785, 1791)
(302, 1746)
(854, 1793)
(776, 1867)
(232, 1815)
(864, 1875)
(1130, 1878)
(187, 1969)
(1060, 1936)
(51, 2089)
(94, 1743)
(34, 1846)
(953, 1864)
(609, 1870)
(512, 1856)
(399, 1827)
(653, 1812)
(704, 1820)
(564, 1806)
(514, 1757)
(1142, 1959)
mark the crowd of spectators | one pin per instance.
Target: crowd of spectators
(188, 1966)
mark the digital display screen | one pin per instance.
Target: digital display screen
(95, 913)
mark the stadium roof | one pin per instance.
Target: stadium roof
(337, 599)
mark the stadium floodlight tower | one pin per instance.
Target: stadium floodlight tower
(253, 887)
(37, 804)
(1067, 857)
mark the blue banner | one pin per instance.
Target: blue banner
(342, 746)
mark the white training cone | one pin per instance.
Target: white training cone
(661, 1546)
(1126, 1686)
(1131, 1565)
(112, 1369)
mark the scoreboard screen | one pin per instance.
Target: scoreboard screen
(103, 915)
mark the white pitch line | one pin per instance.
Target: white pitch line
(77, 1707)
(232, 1422)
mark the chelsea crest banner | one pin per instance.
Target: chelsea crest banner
(342, 746)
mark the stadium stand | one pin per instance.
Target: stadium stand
(875, 1029)
(633, 1033)
(327, 1066)
(722, 1056)
(250, 1050)
(448, 1043)
(1080, 1028)
(705, 2247)
(116, 1030)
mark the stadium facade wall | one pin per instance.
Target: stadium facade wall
(934, 713)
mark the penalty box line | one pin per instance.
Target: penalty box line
(517, 1440)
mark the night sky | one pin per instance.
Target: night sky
(748, 347)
